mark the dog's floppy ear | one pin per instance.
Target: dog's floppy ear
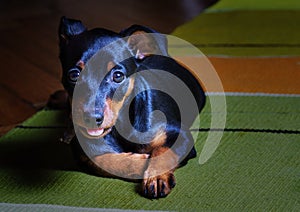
(145, 41)
(69, 27)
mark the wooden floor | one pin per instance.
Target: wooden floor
(28, 42)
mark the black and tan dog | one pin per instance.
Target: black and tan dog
(147, 148)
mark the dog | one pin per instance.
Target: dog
(103, 141)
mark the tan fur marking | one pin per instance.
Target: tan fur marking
(112, 112)
(125, 165)
(110, 65)
(80, 64)
(159, 139)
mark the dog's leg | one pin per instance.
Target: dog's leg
(69, 134)
(60, 100)
(167, 155)
(124, 165)
(159, 176)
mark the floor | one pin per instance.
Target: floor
(28, 42)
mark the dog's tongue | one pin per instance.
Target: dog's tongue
(95, 132)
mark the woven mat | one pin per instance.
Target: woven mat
(256, 166)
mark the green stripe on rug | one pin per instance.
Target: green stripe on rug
(257, 112)
(244, 33)
(249, 171)
(55, 118)
(225, 5)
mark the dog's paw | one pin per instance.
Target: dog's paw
(67, 137)
(158, 186)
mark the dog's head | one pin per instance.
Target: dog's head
(76, 46)
(97, 109)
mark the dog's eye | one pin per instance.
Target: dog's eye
(74, 74)
(118, 77)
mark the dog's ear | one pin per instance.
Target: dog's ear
(145, 41)
(69, 27)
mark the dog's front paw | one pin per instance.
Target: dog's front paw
(68, 136)
(158, 186)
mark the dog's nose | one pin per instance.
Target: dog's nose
(99, 120)
(93, 120)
